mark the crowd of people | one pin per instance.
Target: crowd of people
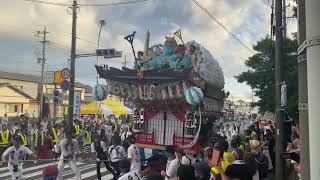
(243, 150)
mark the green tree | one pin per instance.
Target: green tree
(261, 74)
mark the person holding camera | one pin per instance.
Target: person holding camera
(14, 155)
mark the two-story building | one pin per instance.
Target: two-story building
(19, 93)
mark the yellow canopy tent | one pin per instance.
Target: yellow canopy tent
(107, 106)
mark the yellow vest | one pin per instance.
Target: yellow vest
(24, 139)
(4, 137)
(55, 136)
(224, 165)
(36, 138)
(228, 156)
(87, 139)
(77, 127)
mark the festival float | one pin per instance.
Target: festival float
(173, 87)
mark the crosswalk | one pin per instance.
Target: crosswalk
(33, 171)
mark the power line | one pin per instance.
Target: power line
(114, 4)
(88, 41)
(48, 3)
(223, 26)
(107, 4)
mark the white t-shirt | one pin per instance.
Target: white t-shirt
(69, 149)
(15, 156)
(132, 175)
(44, 126)
(134, 155)
(103, 146)
(125, 135)
(171, 169)
(186, 161)
(116, 153)
(4, 121)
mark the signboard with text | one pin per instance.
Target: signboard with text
(77, 102)
(48, 77)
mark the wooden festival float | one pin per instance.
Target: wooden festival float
(173, 87)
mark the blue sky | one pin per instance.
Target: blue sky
(248, 19)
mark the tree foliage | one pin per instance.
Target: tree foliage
(261, 74)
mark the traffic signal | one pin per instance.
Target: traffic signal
(108, 53)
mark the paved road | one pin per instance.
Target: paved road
(34, 171)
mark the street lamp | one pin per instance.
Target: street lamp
(102, 23)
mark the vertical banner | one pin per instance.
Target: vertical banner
(152, 92)
(77, 103)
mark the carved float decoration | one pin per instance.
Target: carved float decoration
(158, 86)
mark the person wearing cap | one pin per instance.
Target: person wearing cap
(14, 155)
(172, 164)
(134, 155)
(100, 149)
(69, 154)
(126, 173)
(202, 171)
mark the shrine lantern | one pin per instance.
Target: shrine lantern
(194, 95)
(100, 92)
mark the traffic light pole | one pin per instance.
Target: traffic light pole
(72, 64)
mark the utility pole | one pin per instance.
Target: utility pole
(303, 94)
(125, 62)
(279, 171)
(284, 21)
(312, 47)
(72, 63)
(43, 61)
(54, 104)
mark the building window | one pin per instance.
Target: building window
(13, 108)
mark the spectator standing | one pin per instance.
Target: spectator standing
(154, 168)
(238, 169)
(134, 155)
(172, 164)
(202, 171)
(261, 159)
(183, 159)
(185, 172)
(4, 120)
